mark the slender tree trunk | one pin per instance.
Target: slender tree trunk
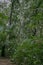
(12, 7)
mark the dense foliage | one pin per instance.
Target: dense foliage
(21, 31)
(29, 53)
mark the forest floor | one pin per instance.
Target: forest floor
(5, 61)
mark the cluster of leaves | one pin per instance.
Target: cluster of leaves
(29, 53)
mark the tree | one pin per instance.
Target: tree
(22, 30)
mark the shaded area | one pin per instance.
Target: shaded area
(3, 51)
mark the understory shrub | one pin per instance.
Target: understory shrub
(28, 53)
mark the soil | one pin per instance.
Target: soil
(5, 61)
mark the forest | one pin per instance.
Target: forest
(21, 31)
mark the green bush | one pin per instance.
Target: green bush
(29, 53)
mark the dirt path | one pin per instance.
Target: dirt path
(4, 61)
